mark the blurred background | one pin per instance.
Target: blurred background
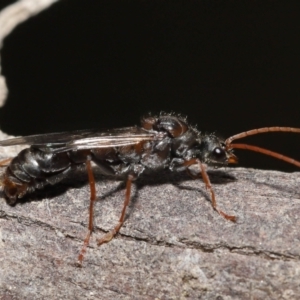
(229, 66)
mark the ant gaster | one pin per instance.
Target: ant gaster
(164, 141)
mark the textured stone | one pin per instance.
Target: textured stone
(173, 245)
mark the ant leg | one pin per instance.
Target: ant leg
(212, 193)
(206, 180)
(5, 162)
(91, 210)
(109, 236)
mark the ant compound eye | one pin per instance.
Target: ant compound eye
(218, 152)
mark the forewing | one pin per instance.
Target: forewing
(58, 138)
(83, 139)
(112, 138)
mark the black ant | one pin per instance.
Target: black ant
(164, 141)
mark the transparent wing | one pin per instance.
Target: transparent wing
(58, 138)
(83, 139)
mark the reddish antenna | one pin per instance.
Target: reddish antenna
(287, 159)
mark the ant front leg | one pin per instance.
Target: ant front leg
(206, 180)
(212, 193)
(109, 236)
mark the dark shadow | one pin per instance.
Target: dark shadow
(276, 186)
(166, 176)
(177, 178)
(79, 179)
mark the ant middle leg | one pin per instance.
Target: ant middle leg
(109, 236)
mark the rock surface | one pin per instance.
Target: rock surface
(173, 245)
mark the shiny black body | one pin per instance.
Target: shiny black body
(165, 141)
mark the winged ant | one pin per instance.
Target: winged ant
(164, 141)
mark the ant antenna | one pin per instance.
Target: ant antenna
(287, 159)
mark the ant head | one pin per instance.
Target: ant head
(215, 152)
